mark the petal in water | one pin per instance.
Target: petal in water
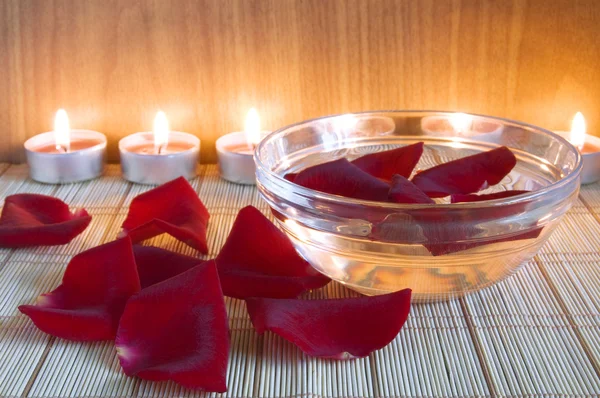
(340, 177)
(466, 175)
(385, 165)
(404, 191)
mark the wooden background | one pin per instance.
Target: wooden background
(112, 64)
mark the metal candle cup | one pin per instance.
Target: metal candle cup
(235, 151)
(140, 164)
(588, 146)
(236, 162)
(64, 155)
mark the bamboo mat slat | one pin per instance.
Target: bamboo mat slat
(536, 334)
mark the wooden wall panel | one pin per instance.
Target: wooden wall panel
(113, 63)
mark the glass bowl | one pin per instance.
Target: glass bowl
(440, 251)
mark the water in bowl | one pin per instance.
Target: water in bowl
(373, 267)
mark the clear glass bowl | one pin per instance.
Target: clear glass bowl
(441, 250)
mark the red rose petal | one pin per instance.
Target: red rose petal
(404, 191)
(173, 208)
(155, 265)
(258, 260)
(452, 240)
(340, 328)
(89, 302)
(466, 175)
(450, 231)
(290, 176)
(497, 212)
(341, 177)
(478, 198)
(453, 247)
(386, 164)
(39, 220)
(177, 330)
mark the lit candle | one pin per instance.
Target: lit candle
(461, 125)
(159, 156)
(235, 151)
(65, 155)
(589, 147)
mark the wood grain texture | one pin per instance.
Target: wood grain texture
(112, 64)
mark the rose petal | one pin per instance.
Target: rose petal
(177, 330)
(155, 265)
(446, 231)
(258, 260)
(460, 231)
(386, 164)
(173, 208)
(466, 175)
(496, 212)
(404, 191)
(290, 176)
(89, 302)
(39, 220)
(478, 198)
(340, 328)
(340, 177)
(439, 249)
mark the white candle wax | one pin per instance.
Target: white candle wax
(83, 160)
(236, 163)
(141, 163)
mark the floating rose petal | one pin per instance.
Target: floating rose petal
(453, 247)
(478, 198)
(340, 328)
(177, 330)
(446, 231)
(459, 237)
(173, 208)
(404, 191)
(258, 260)
(155, 265)
(466, 175)
(89, 302)
(496, 212)
(386, 164)
(340, 177)
(39, 220)
(290, 176)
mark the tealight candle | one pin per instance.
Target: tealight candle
(589, 147)
(65, 155)
(461, 124)
(159, 156)
(235, 151)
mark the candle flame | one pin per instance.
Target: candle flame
(161, 132)
(578, 130)
(461, 122)
(62, 131)
(252, 128)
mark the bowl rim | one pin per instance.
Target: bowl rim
(342, 200)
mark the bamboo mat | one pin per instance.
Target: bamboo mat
(537, 334)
